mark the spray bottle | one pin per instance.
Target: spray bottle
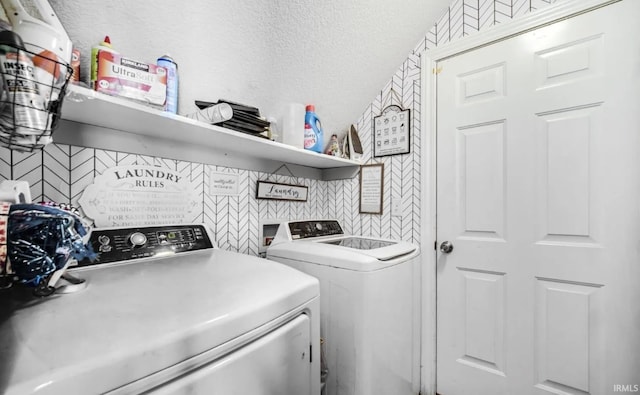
(313, 136)
(39, 27)
(171, 104)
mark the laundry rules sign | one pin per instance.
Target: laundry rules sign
(137, 195)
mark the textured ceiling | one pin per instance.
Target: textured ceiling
(335, 54)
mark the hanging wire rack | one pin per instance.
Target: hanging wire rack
(33, 86)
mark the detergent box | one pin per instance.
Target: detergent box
(120, 76)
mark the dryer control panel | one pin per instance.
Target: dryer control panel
(306, 229)
(122, 244)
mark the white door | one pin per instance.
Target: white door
(538, 190)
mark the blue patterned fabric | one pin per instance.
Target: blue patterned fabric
(41, 239)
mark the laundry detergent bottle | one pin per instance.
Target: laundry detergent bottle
(313, 136)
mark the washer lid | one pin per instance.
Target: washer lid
(360, 243)
(384, 250)
(328, 251)
(136, 319)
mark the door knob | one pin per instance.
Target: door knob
(446, 247)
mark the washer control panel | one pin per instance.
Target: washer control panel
(122, 244)
(306, 229)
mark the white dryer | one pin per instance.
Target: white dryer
(369, 305)
(164, 312)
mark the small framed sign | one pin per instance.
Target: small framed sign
(391, 131)
(279, 191)
(371, 187)
(223, 184)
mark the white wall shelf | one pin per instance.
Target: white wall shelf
(101, 121)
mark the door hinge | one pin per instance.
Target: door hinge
(310, 353)
(435, 245)
(436, 70)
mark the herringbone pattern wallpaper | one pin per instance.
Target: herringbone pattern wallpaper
(61, 172)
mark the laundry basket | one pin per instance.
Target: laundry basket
(33, 86)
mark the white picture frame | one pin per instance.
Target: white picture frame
(371, 188)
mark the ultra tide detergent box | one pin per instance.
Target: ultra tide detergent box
(120, 76)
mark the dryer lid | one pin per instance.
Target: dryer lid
(136, 319)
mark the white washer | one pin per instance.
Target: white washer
(164, 312)
(369, 305)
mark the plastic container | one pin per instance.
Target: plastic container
(104, 45)
(39, 27)
(48, 74)
(292, 128)
(32, 86)
(166, 61)
(23, 115)
(313, 135)
(75, 65)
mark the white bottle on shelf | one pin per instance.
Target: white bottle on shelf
(293, 125)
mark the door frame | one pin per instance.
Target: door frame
(428, 169)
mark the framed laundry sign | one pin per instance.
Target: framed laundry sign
(391, 131)
(371, 187)
(279, 191)
(140, 195)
